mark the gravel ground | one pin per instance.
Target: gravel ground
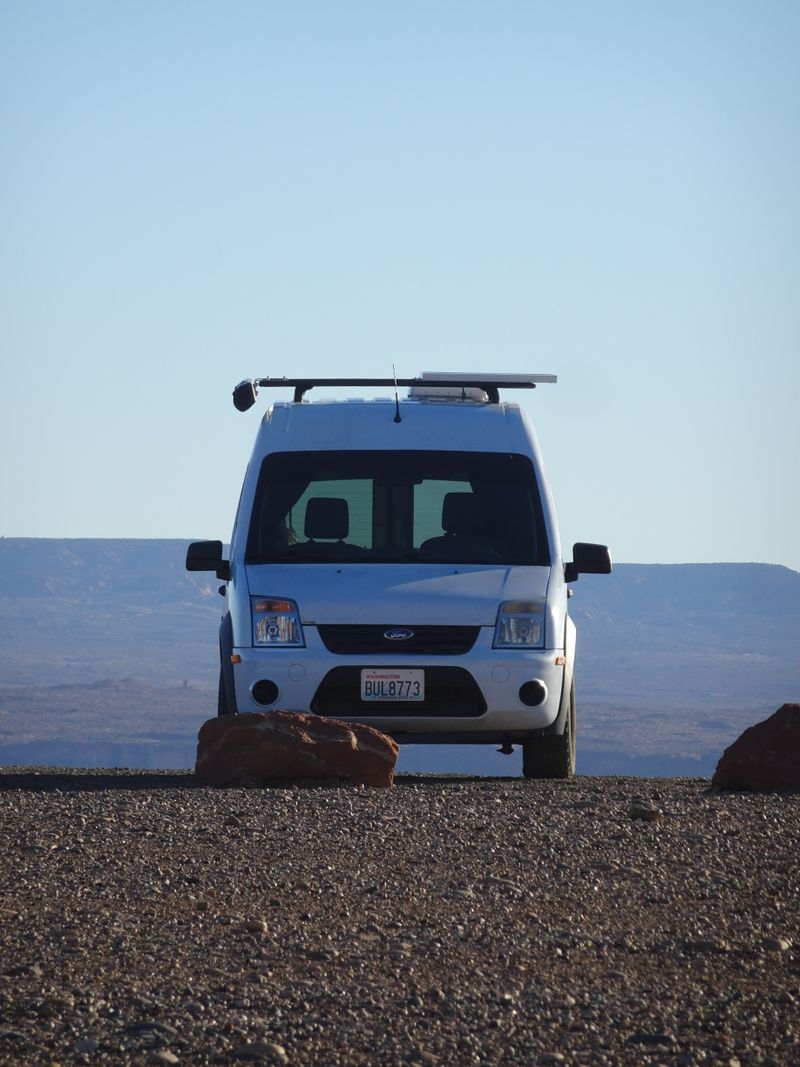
(450, 921)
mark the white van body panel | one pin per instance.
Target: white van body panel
(498, 675)
(398, 594)
(409, 595)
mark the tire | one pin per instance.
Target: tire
(222, 700)
(224, 706)
(553, 755)
(226, 694)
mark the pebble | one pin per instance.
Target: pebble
(152, 1028)
(776, 944)
(644, 811)
(262, 1052)
(255, 925)
(707, 945)
(651, 1039)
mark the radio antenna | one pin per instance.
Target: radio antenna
(396, 397)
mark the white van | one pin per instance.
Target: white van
(397, 562)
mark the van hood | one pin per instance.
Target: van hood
(398, 594)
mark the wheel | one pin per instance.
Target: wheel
(222, 700)
(223, 704)
(552, 756)
(226, 694)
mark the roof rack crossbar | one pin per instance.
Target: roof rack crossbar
(245, 393)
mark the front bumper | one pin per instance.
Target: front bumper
(496, 676)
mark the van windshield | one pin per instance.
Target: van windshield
(382, 507)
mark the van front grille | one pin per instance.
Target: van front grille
(450, 692)
(372, 640)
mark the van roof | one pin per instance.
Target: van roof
(383, 423)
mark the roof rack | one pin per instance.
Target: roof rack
(244, 395)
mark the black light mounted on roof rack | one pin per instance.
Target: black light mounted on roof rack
(244, 395)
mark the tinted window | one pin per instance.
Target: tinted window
(460, 507)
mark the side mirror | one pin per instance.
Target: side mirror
(587, 559)
(207, 556)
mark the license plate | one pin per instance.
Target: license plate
(388, 684)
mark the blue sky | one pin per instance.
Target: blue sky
(194, 193)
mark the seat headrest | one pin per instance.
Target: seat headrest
(460, 514)
(327, 517)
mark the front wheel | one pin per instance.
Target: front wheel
(552, 756)
(224, 705)
(226, 695)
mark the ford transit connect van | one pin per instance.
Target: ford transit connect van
(397, 562)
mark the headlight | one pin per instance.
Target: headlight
(276, 623)
(520, 624)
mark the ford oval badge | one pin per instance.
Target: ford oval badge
(398, 633)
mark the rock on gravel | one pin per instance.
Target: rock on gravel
(765, 756)
(265, 746)
(449, 921)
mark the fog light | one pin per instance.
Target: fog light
(265, 692)
(532, 694)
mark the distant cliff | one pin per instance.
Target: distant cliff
(673, 660)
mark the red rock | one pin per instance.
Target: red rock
(766, 756)
(267, 745)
